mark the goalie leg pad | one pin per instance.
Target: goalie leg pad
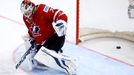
(56, 61)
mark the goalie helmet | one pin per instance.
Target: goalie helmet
(27, 8)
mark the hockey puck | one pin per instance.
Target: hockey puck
(118, 47)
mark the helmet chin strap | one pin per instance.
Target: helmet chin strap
(28, 16)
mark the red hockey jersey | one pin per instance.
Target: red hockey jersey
(40, 25)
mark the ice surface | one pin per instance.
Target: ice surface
(88, 63)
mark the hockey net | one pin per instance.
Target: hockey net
(103, 19)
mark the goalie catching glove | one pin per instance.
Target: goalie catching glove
(60, 27)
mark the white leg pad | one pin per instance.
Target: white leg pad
(56, 61)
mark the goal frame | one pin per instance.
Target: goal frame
(77, 20)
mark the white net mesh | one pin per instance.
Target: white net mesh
(107, 18)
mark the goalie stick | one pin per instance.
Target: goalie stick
(24, 56)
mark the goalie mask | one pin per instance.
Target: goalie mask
(27, 8)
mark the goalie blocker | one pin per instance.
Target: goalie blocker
(56, 61)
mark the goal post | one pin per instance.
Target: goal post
(77, 20)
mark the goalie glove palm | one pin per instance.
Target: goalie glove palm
(60, 27)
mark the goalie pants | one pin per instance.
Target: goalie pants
(55, 43)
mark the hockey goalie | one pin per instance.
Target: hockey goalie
(46, 36)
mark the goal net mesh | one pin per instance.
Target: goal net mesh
(105, 18)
